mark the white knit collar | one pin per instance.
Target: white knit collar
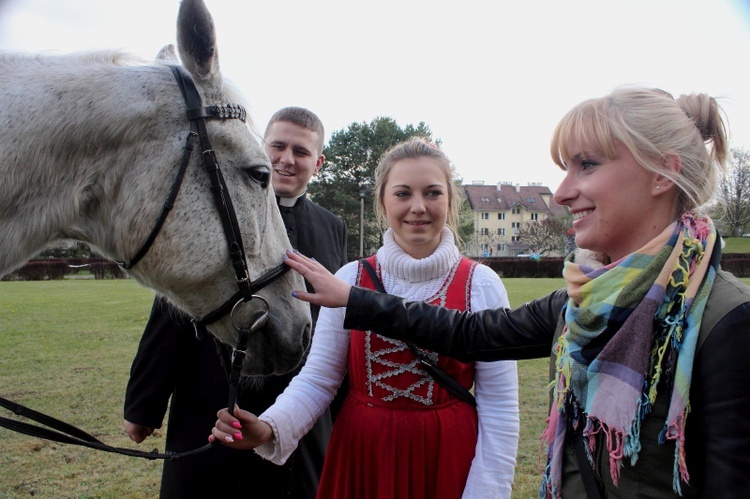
(396, 262)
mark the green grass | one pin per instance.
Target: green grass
(533, 396)
(737, 245)
(66, 348)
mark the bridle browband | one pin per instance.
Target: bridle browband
(197, 115)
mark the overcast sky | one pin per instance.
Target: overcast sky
(490, 80)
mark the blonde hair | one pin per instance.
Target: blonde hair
(413, 148)
(653, 125)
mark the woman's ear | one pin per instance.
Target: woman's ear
(672, 166)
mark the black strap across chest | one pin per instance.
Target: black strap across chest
(443, 378)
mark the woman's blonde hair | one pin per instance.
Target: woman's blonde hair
(653, 125)
(414, 148)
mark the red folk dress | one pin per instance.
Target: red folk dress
(400, 434)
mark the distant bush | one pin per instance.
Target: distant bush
(525, 266)
(106, 269)
(39, 270)
(59, 268)
(736, 263)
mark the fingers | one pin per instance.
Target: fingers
(136, 432)
(330, 291)
(241, 431)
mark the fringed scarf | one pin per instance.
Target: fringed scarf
(626, 324)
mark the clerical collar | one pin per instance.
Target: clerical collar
(289, 202)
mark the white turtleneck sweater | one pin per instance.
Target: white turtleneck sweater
(496, 383)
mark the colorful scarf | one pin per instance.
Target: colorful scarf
(626, 324)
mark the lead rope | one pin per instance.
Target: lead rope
(60, 431)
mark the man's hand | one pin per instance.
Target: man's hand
(137, 432)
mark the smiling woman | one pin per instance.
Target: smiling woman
(391, 392)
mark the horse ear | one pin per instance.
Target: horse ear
(196, 38)
(167, 55)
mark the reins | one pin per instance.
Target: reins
(59, 431)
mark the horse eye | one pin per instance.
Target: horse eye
(260, 174)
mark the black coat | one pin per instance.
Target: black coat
(172, 362)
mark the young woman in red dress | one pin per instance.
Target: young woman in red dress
(401, 434)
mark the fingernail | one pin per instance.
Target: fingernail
(237, 425)
(238, 436)
(229, 439)
(289, 251)
(295, 294)
(211, 439)
(296, 252)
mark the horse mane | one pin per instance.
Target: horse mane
(115, 57)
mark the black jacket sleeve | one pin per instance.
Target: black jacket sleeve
(522, 333)
(155, 366)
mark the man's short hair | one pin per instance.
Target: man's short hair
(301, 117)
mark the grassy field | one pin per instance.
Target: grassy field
(737, 245)
(66, 348)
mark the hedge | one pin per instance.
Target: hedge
(736, 263)
(59, 268)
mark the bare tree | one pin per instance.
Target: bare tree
(545, 236)
(733, 209)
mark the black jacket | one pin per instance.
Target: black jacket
(172, 362)
(718, 427)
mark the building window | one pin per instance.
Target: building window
(516, 211)
(485, 231)
(501, 216)
(485, 216)
(501, 247)
(515, 239)
(501, 232)
(516, 225)
(535, 216)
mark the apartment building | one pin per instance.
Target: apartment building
(500, 210)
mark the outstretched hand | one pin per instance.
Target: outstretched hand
(330, 291)
(242, 431)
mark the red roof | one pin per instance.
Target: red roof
(503, 197)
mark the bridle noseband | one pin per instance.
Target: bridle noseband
(197, 115)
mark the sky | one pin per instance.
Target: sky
(490, 79)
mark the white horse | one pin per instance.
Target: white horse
(90, 147)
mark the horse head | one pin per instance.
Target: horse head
(100, 169)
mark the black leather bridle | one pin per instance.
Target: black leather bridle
(197, 115)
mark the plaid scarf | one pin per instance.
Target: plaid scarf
(626, 324)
